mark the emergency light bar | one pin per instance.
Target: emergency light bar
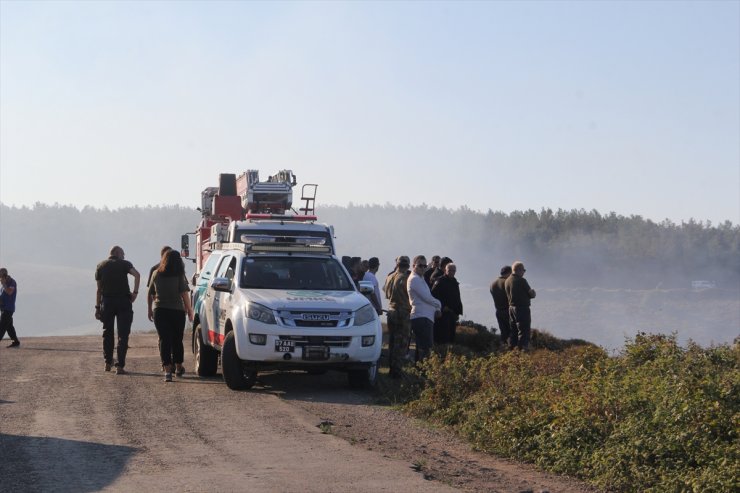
(281, 238)
(230, 246)
(281, 217)
(289, 248)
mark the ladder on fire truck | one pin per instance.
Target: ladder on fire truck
(308, 195)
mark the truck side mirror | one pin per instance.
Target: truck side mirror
(185, 246)
(366, 288)
(222, 284)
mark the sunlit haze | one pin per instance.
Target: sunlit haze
(632, 107)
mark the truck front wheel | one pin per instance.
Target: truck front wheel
(206, 358)
(365, 378)
(235, 375)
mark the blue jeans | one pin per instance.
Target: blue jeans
(423, 329)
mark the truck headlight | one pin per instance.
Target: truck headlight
(260, 313)
(365, 315)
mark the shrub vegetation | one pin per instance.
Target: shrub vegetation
(656, 417)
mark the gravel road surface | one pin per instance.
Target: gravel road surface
(66, 425)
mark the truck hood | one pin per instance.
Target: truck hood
(278, 299)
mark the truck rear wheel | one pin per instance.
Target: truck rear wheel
(235, 375)
(206, 358)
(365, 378)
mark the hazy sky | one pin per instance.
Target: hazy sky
(632, 107)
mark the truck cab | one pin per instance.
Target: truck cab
(274, 305)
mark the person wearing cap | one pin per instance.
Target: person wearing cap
(399, 312)
(8, 293)
(519, 296)
(372, 268)
(447, 291)
(501, 302)
(113, 301)
(425, 308)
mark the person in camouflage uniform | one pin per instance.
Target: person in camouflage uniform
(399, 313)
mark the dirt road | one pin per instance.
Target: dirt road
(66, 425)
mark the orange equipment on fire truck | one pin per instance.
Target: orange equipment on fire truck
(247, 199)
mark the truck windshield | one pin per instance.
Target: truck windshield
(312, 273)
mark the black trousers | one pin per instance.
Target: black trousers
(6, 325)
(520, 319)
(502, 317)
(170, 326)
(112, 309)
(444, 328)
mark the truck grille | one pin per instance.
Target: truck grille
(315, 319)
(332, 341)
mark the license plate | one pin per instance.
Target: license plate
(316, 353)
(284, 345)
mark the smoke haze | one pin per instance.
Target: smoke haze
(598, 277)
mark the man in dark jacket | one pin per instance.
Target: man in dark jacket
(439, 271)
(432, 267)
(519, 295)
(447, 290)
(498, 292)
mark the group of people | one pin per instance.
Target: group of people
(168, 302)
(365, 270)
(424, 300)
(512, 297)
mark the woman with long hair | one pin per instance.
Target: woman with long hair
(170, 296)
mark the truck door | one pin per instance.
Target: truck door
(219, 302)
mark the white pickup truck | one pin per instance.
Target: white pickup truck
(268, 304)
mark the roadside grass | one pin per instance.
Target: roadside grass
(656, 417)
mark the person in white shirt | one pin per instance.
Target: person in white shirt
(424, 308)
(372, 267)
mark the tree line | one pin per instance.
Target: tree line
(569, 248)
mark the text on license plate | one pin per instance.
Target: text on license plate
(284, 346)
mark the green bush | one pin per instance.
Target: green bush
(656, 417)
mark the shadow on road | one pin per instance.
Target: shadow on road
(36, 464)
(26, 348)
(332, 387)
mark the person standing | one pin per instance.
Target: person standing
(439, 271)
(372, 268)
(399, 312)
(168, 302)
(501, 302)
(519, 296)
(7, 307)
(430, 270)
(424, 308)
(162, 253)
(113, 304)
(154, 268)
(447, 291)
